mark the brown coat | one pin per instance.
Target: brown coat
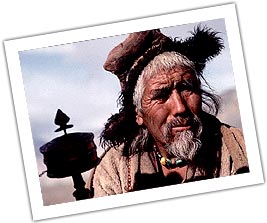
(118, 174)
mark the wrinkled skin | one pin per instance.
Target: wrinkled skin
(169, 96)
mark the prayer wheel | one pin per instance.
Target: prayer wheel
(70, 155)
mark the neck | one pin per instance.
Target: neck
(174, 170)
(169, 163)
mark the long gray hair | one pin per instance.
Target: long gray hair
(165, 62)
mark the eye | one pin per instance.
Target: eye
(161, 94)
(187, 87)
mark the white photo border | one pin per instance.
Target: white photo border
(228, 13)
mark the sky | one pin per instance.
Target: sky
(71, 77)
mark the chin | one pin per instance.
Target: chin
(185, 146)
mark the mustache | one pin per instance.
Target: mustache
(185, 120)
(193, 121)
(179, 121)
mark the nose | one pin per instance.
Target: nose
(177, 104)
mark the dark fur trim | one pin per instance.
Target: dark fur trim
(128, 59)
(205, 42)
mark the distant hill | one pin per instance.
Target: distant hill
(229, 112)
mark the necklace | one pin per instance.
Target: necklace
(169, 163)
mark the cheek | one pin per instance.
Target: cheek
(155, 117)
(194, 103)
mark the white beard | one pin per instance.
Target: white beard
(184, 145)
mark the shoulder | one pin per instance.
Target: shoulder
(105, 178)
(232, 134)
(112, 153)
(234, 142)
(110, 159)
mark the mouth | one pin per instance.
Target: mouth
(178, 129)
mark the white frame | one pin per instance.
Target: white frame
(12, 48)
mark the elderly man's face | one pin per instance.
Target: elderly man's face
(169, 104)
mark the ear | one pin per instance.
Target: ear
(139, 117)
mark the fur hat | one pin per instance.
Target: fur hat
(129, 58)
(139, 48)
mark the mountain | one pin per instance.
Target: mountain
(229, 112)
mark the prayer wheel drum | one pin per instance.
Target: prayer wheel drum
(70, 154)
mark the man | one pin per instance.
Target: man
(165, 132)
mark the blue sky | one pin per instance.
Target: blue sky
(71, 77)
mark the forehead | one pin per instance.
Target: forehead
(169, 77)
